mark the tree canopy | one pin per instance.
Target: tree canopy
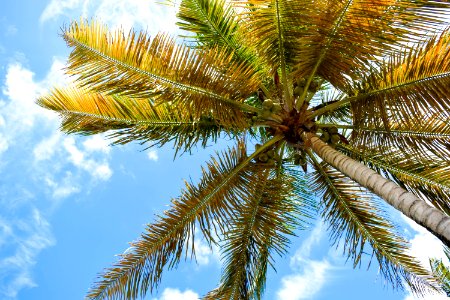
(330, 103)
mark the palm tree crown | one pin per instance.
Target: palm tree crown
(347, 100)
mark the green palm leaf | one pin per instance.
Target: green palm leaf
(224, 183)
(131, 119)
(356, 218)
(428, 138)
(261, 227)
(215, 23)
(442, 272)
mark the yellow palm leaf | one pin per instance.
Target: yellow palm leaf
(132, 119)
(137, 66)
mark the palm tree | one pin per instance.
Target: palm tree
(346, 99)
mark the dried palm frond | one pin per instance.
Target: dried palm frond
(410, 86)
(159, 69)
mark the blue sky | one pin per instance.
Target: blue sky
(69, 204)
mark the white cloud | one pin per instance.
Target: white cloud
(203, 253)
(45, 149)
(148, 15)
(64, 152)
(132, 13)
(56, 76)
(304, 251)
(176, 294)
(309, 275)
(48, 162)
(20, 112)
(64, 188)
(152, 155)
(29, 237)
(424, 246)
(56, 8)
(97, 143)
(98, 170)
(306, 284)
(22, 120)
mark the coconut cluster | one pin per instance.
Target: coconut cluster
(300, 84)
(269, 107)
(269, 157)
(331, 135)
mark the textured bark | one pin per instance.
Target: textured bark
(409, 204)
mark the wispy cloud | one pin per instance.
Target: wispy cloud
(152, 155)
(39, 160)
(424, 246)
(56, 8)
(309, 276)
(82, 160)
(148, 15)
(97, 143)
(22, 120)
(305, 284)
(26, 237)
(176, 294)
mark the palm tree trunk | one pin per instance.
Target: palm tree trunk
(409, 204)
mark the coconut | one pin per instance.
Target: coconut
(313, 86)
(263, 157)
(333, 130)
(267, 104)
(298, 91)
(335, 138)
(276, 107)
(301, 82)
(325, 137)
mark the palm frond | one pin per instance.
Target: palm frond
(339, 115)
(269, 26)
(261, 227)
(224, 183)
(215, 24)
(442, 272)
(410, 86)
(135, 65)
(428, 137)
(164, 242)
(426, 178)
(131, 119)
(212, 22)
(357, 218)
(342, 37)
